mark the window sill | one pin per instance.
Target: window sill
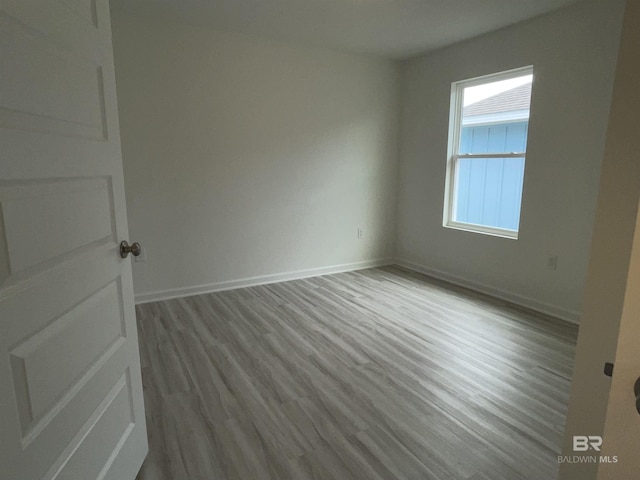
(483, 230)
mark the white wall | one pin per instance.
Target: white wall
(251, 158)
(245, 157)
(573, 53)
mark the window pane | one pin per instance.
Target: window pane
(495, 116)
(496, 138)
(488, 192)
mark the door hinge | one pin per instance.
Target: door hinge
(608, 369)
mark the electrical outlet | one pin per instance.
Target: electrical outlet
(552, 262)
(142, 257)
(360, 232)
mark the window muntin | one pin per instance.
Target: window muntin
(487, 151)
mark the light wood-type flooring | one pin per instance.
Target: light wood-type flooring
(379, 374)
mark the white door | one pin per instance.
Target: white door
(621, 439)
(70, 391)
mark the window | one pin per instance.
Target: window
(487, 150)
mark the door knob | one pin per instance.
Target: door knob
(134, 249)
(636, 391)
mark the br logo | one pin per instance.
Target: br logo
(583, 443)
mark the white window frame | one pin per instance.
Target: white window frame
(453, 153)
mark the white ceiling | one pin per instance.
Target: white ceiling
(393, 28)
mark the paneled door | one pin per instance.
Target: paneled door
(71, 402)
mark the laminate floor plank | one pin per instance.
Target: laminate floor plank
(380, 374)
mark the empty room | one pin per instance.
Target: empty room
(319, 240)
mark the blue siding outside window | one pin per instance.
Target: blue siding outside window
(489, 190)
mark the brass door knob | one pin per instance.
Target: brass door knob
(134, 249)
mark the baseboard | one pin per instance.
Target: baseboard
(259, 280)
(552, 310)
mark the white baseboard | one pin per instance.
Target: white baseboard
(552, 310)
(259, 280)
